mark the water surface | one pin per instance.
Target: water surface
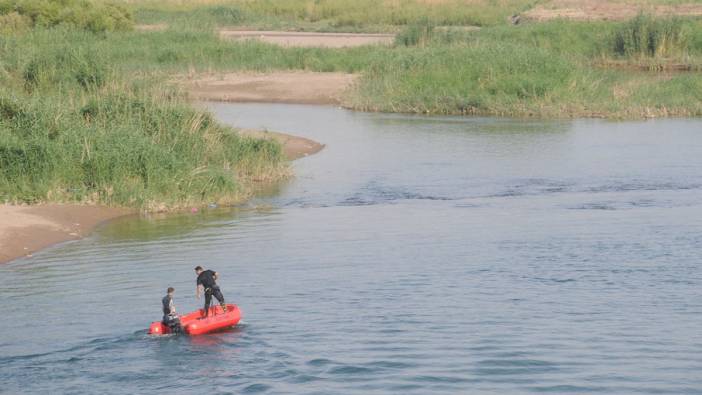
(424, 255)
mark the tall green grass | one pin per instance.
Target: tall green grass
(73, 127)
(648, 36)
(495, 79)
(545, 70)
(419, 33)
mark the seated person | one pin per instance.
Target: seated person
(170, 318)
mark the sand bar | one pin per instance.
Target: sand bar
(27, 229)
(275, 87)
(294, 147)
(589, 10)
(309, 39)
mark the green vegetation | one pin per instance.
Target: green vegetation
(554, 69)
(178, 51)
(89, 111)
(329, 15)
(418, 33)
(96, 16)
(76, 125)
(646, 36)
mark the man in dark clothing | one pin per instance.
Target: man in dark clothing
(170, 318)
(206, 280)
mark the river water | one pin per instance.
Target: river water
(413, 255)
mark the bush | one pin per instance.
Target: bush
(14, 22)
(85, 14)
(9, 109)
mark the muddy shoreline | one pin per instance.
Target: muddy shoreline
(24, 230)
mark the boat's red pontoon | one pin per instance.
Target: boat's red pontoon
(196, 323)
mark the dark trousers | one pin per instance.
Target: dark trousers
(173, 322)
(209, 292)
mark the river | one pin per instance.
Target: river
(413, 255)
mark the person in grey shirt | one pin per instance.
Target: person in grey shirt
(170, 318)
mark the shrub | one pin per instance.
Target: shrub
(9, 108)
(14, 22)
(85, 14)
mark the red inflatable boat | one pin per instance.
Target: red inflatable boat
(196, 324)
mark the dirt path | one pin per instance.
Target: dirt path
(27, 229)
(277, 87)
(156, 27)
(294, 39)
(307, 39)
(605, 10)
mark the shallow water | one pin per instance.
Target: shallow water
(412, 255)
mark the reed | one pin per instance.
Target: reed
(419, 33)
(648, 36)
(75, 127)
(553, 69)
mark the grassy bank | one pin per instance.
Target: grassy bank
(327, 15)
(554, 69)
(87, 112)
(78, 124)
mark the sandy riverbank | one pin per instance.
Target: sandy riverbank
(591, 10)
(294, 39)
(309, 39)
(25, 230)
(274, 87)
(294, 147)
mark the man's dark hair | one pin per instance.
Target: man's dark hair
(170, 289)
(198, 268)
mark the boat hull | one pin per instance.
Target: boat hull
(196, 323)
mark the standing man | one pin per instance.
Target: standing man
(170, 318)
(206, 281)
